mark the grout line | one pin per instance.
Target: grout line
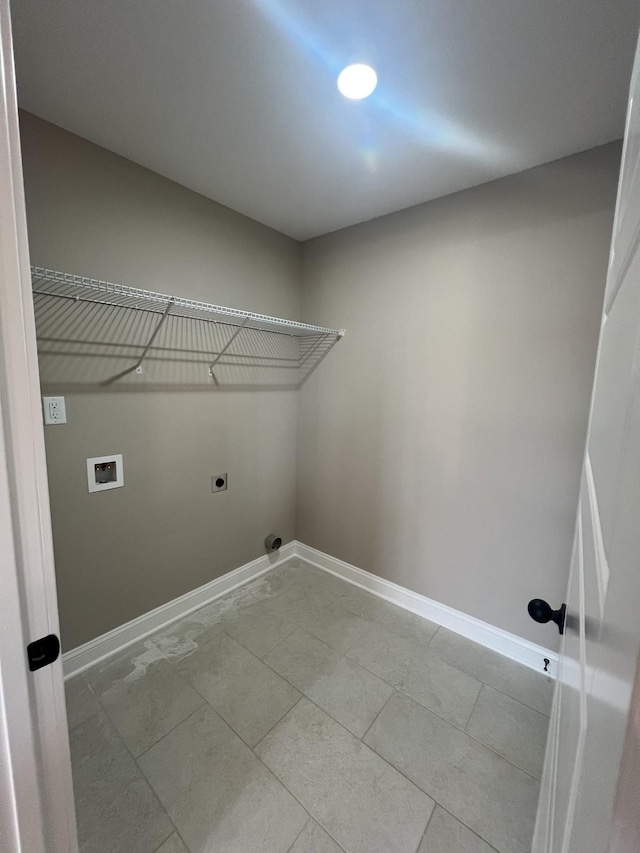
(290, 848)
(475, 704)
(173, 728)
(279, 643)
(490, 651)
(324, 829)
(311, 818)
(455, 817)
(519, 701)
(91, 690)
(280, 719)
(305, 696)
(431, 795)
(372, 620)
(435, 634)
(251, 749)
(286, 714)
(140, 770)
(148, 781)
(364, 734)
(536, 779)
(311, 814)
(221, 715)
(106, 711)
(277, 778)
(71, 728)
(413, 699)
(433, 811)
(453, 725)
(497, 689)
(175, 832)
(186, 846)
(268, 652)
(366, 746)
(441, 660)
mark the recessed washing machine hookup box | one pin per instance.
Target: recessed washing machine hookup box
(105, 472)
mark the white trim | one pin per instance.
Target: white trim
(511, 646)
(507, 644)
(81, 658)
(36, 790)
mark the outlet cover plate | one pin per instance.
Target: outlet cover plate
(54, 409)
(216, 479)
(93, 472)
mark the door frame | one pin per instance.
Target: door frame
(37, 813)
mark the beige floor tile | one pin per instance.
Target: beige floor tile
(510, 728)
(260, 589)
(334, 625)
(445, 834)
(130, 663)
(257, 627)
(366, 805)
(298, 581)
(296, 603)
(313, 839)
(144, 709)
(180, 638)
(173, 845)
(396, 619)
(484, 791)
(218, 794)
(346, 691)
(418, 673)
(116, 810)
(81, 701)
(531, 688)
(249, 695)
(331, 585)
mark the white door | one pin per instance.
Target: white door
(602, 637)
(36, 795)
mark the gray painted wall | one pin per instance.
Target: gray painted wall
(121, 553)
(440, 444)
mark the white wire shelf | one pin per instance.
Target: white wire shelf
(93, 332)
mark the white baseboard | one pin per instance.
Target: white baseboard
(81, 658)
(509, 645)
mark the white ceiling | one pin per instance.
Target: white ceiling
(237, 99)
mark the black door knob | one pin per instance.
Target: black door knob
(540, 611)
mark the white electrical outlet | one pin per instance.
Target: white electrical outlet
(54, 410)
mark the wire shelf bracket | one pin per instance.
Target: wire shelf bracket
(92, 332)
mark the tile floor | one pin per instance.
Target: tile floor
(302, 714)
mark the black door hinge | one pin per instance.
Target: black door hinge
(42, 652)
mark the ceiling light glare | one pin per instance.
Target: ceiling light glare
(357, 81)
